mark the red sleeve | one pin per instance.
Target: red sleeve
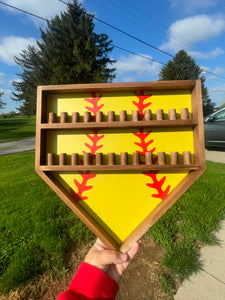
(90, 283)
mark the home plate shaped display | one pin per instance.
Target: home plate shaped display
(120, 154)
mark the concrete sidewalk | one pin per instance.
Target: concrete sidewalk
(209, 284)
(216, 156)
(17, 146)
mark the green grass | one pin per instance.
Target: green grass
(192, 220)
(17, 128)
(36, 227)
(167, 284)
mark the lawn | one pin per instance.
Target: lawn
(17, 128)
(36, 227)
(192, 221)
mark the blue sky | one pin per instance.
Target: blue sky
(197, 26)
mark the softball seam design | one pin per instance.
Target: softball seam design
(144, 145)
(93, 147)
(140, 104)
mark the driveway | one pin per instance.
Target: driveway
(216, 156)
(17, 146)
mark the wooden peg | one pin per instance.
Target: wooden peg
(99, 159)
(184, 114)
(172, 114)
(187, 157)
(64, 116)
(75, 159)
(148, 158)
(174, 158)
(99, 116)
(52, 117)
(87, 158)
(148, 114)
(136, 158)
(123, 115)
(111, 158)
(161, 158)
(111, 116)
(51, 159)
(87, 116)
(135, 115)
(123, 158)
(62, 159)
(159, 114)
(75, 117)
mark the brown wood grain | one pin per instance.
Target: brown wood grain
(118, 124)
(44, 162)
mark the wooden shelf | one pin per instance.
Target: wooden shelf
(140, 167)
(118, 124)
(79, 111)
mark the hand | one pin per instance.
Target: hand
(111, 262)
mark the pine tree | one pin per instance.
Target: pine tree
(69, 51)
(2, 104)
(184, 67)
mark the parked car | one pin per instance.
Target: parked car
(214, 126)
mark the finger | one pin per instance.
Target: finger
(107, 257)
(133, 250)
(131, 253)
(99, 244)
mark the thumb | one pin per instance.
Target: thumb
(107, 257)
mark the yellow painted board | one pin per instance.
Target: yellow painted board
(120, 201)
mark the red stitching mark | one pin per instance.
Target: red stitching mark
(94, 139)
(140, 104)
(144, 145)
(94, 101)
(93, 147)
(157, 184)
(82, 187)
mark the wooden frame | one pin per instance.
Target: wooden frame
(192, 163)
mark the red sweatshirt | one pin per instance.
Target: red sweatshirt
(90, 283)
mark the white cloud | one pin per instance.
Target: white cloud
(217, 71)
(45, 9)
(133, 67)
(218, 51)
(191, 6)
(183, 34)
(207, 55)
(217, 94)
(2, 78)
(12, 46)
(218, 88)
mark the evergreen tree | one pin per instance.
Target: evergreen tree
(69, 52)
(183, 67)
(2, 104)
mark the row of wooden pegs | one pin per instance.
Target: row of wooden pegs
(87, 161)
(172, 115)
